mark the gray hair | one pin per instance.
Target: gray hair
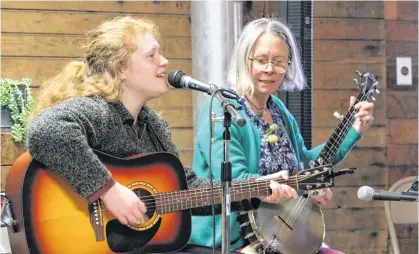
(239, 75)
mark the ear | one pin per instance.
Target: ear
(121, 72)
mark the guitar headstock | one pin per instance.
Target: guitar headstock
(315, 178)
(368, 85)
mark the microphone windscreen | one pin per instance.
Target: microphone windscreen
(175, 77)
(366, 193)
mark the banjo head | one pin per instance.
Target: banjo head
(290, 227)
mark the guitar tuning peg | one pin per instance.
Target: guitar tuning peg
(373, 98)
(377, 91)
(365, 75)
(358, 73)
(355, 81)
(338, 116)
(314, 193)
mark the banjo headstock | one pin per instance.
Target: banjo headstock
(368, 85)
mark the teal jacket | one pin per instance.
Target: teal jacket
(244, 156)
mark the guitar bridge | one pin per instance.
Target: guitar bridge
(96, 220)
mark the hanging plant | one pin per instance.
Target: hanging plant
(16, 96)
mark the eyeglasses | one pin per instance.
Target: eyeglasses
(260, 64)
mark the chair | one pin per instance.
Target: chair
(400, 212)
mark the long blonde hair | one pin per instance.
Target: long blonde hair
(106, 51)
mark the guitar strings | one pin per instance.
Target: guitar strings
(242, 185)
(206, 194)
(195, 199)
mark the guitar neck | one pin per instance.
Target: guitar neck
(332, 145)
(186, 199)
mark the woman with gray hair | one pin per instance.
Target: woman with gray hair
(266, 59)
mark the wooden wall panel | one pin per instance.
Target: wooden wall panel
(9, 150)
(349, 51)
(41, 45)
(182, 138)
(349, 9)
(340, 75)
(402, 155)
(359, 241)
(40, 69)
(122, 7)
(22, 21)
(344, 28)
(401, 30)
(401, 24)
(403, 131)
(4, 173)
(176, 98)
(355, 218)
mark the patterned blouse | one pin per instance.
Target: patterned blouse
(277, 156)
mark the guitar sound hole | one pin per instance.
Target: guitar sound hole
(127, 238)
(148, 200)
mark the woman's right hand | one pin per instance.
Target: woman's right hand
(279, 191)
(124, 204)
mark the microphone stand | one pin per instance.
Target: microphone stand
(226, 186)
(226, 174)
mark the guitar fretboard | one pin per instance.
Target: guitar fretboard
(186, 199)
(167, 202)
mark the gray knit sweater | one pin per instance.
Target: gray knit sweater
(63, 138)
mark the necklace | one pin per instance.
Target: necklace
(259, 111)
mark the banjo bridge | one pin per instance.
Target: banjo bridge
(279, 219)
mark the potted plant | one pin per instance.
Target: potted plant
(16, 104)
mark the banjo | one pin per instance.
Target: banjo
(297, 226)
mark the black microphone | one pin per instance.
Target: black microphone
(366, 193)
(179, 79)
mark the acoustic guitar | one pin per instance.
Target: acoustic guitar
(51, 218)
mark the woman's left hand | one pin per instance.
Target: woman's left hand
(322, 197)
(364, 117)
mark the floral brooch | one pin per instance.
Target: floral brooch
(271, 133)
